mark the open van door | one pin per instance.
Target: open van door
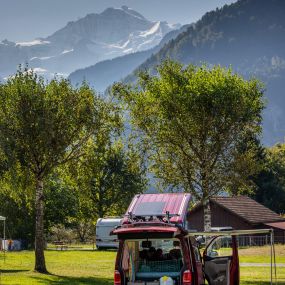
(221, 262)
(221, 267)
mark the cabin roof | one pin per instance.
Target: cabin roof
(246, 208)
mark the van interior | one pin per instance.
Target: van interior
(149, 260)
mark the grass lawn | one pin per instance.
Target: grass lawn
(261, 254)
(66, 267)
(260, 276)
(96, 267)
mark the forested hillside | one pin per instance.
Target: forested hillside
(248, 35)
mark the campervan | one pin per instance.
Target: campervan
(155, 248)
(103, 228)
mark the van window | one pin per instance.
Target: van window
(152, 259)
(104, 231)
(221, 247)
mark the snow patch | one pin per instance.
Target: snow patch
(118, 46)
(41, 58)
(39, 70)
(32, 43)
(154, 29)
(67, 51)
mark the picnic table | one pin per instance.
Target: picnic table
(60, 245)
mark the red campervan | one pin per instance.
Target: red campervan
(155, 246)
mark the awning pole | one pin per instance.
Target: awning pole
(271, 251)
(274, 257)
(4, 240)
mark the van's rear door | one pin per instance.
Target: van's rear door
(221, 263)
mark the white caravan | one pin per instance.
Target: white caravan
(103, 228)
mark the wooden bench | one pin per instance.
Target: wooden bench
(60, 245)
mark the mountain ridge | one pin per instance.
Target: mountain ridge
(93, 38)
(104, 73)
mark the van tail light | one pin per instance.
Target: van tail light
(187, 277)
(117, 278)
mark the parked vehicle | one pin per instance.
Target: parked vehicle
(155, 248)
(103, 228)
(221, 229)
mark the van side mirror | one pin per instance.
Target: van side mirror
(213, 253)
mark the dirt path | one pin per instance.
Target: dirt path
(248, 264)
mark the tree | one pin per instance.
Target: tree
(61, 201)
(194, 121)
(16, 201)
(270, 180)
(108, 176)
(43, 126)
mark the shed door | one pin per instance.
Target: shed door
(221, 266)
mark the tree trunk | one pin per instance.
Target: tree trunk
(207, 215)
(40, 264)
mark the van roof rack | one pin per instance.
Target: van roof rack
(165, 217)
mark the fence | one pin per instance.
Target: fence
(258, 240)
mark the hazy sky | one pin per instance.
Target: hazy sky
(27, 19)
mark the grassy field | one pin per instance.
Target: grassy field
(96, 267)
(261, 254)
(66, 267)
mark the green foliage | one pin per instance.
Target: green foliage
(108, 176)
(69, 139)
(271, 180)
(44, 125)
(194, 121)
(61, 202)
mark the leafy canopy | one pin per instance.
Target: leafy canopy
(44, 125)
(270, 180)
(194, 121)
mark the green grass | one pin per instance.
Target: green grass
(66, 267)
(260, 275)
(96, 267)
(261, 254)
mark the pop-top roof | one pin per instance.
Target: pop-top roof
(159, 204)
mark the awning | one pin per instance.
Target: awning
(277, 225)
(231, 233)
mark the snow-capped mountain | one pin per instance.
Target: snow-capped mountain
(96, 37)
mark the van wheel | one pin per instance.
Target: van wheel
(99, 248)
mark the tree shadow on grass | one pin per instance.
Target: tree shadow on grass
(64, 280)
(13, 270)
